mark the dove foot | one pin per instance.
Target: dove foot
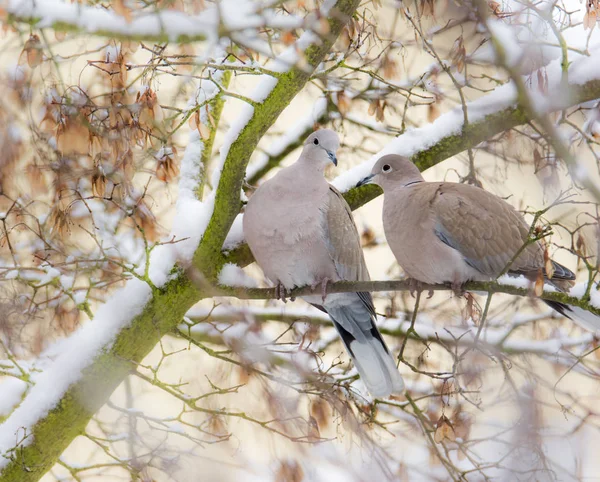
(323, 284)
(457, 287)
(414, 285)
(281, 293)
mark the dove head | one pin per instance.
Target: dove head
(320, 148)
(393, 171)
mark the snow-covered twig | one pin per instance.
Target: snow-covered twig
(162, 26)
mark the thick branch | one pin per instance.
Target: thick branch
(448, 146)
(208, 258)
(48, 437)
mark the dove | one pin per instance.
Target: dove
(445, 232)
(301, 232)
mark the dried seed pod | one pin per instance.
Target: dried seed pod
(32, 52)
(444, 430)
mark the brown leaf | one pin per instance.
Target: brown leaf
(73, 137)
(320, 411)
(548, 266)
(389, 67)
(427, 8)
(373, 106)
(98, 183)
(36, 178)
(380, 112)
(432, 112)
(217, 426)
(462, 423)
(288, 38)
(59, 221)
(314, 434)
(32, 52)
(368, 237)
(496, 8)
(121, 9)
(343, 102)
(322, 27)
(444, 430)
(539, 284)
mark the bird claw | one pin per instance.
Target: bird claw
(281, 293)
(415, 285)
(457, 287)
(323, 284)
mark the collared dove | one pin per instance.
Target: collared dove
(301, 232)
(444, 232)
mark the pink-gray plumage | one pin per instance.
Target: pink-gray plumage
(301, 232)
(444, 232)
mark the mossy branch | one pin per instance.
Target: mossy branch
(472, 135)
(208, 258)
(50, 436)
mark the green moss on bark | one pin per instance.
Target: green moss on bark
(53, 434)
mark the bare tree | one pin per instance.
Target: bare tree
(134, 345)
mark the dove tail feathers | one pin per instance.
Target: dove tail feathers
(580, 316)
(353, 317)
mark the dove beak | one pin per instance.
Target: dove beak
(332, 157)
(366, 180)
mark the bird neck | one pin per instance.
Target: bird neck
(311, 165)
(416, 181)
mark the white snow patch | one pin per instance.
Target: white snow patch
(75, 354)
(12, 390)
(232, 275)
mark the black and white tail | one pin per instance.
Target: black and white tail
(582, 317)
(354, 318)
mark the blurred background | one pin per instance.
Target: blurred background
(94, 129)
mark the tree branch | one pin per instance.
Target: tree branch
(162, 26)
(403, 285)
(446, 147)
(48, 437)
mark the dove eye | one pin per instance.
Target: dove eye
(316, 142)
(386, 168)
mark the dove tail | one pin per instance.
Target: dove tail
(354, 318)
(582, 317)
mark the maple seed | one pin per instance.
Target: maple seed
(32, 52)
(444, 430)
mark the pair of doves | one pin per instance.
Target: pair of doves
(301, 232)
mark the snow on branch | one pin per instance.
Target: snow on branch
(89, 368)
(488, 116)
(271, 96)
(447, 136)
(167, 25)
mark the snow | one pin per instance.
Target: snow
(235, 237)
(240, 15)
(232, 275)
(415, 140)
(281, 64)
(289, 137)
(12, 390)
(75, 354)
(51, 274)
(505, 34)
(191, 215)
